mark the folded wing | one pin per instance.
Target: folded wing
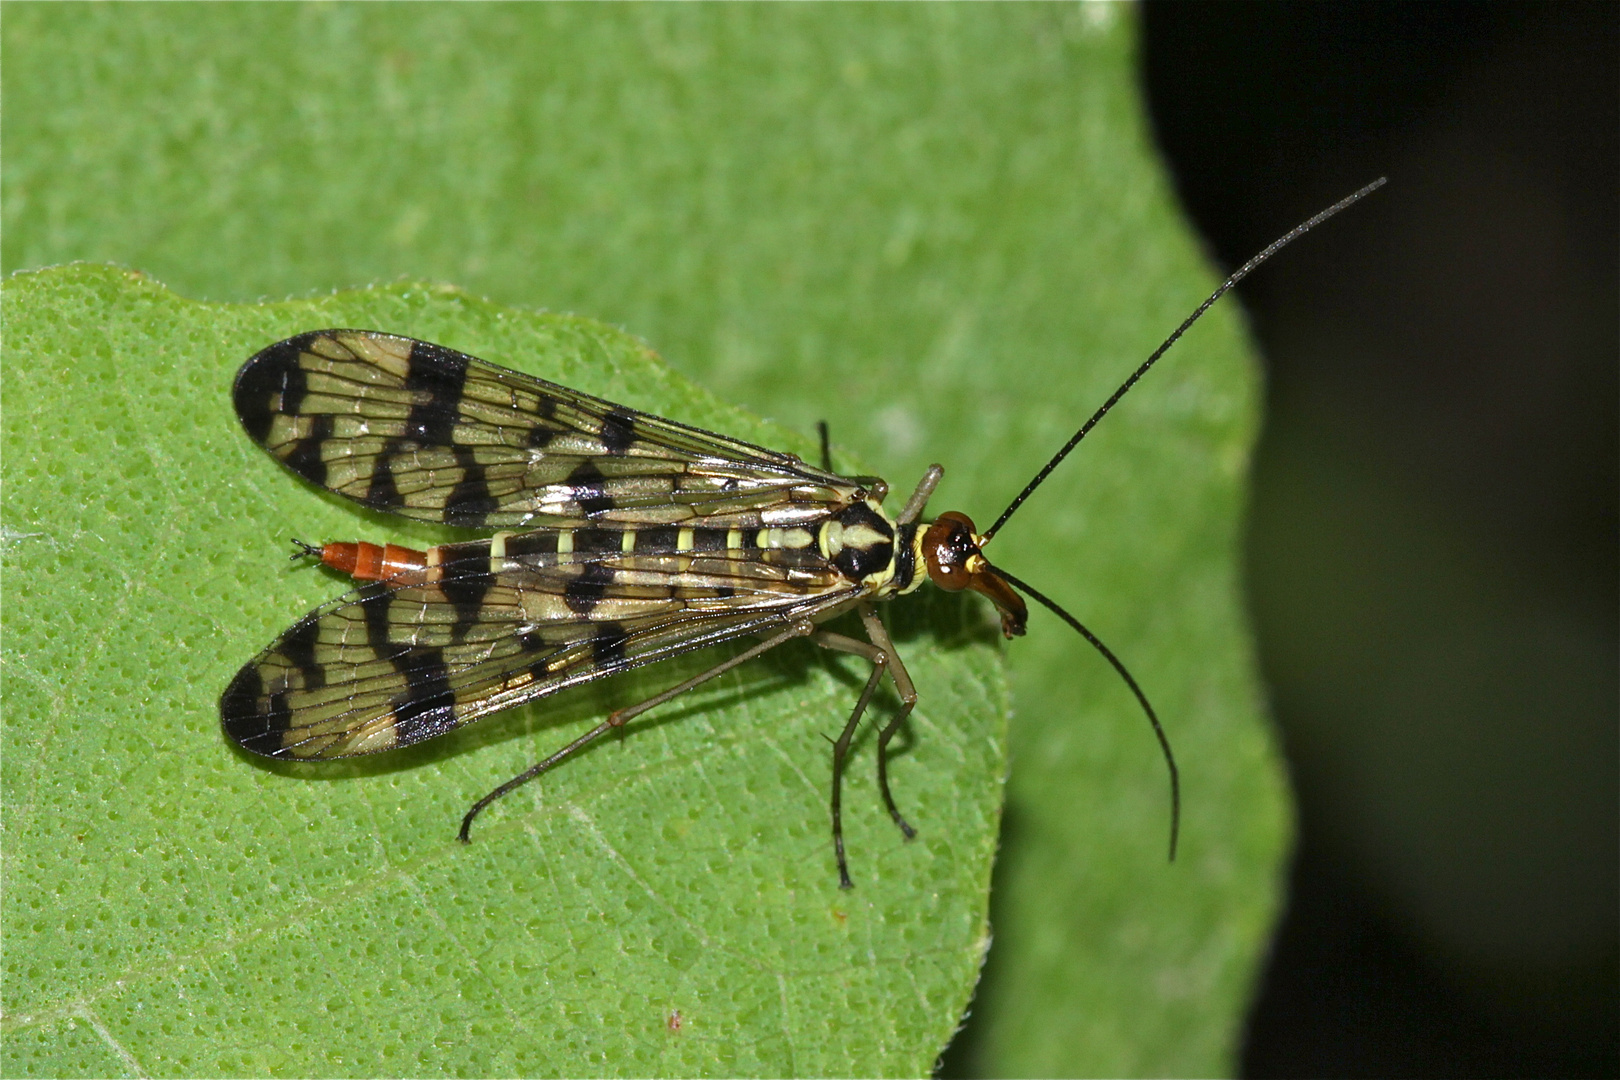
(433, 434)
(399, 661)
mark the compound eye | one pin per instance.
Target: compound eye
(947, 546)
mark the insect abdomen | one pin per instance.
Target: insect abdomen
(373, 562)
(653, 540)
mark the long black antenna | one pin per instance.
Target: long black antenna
(1153, 717)
(1238, 275)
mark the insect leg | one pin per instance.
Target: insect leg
(619, 717)
(919, 498)
(840, 643)
(880, 652)
(908, 700)
(826, 445)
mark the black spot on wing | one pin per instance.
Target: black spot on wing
(584, 592)
(297, 645)
(465, 587)
(588, 488)
(374, 601)
(607, 647)
(439, 374)
(428, 705)
(270, 382)
(304, 458)
(277, 717)
(381, 490)
(247, 723)
(540, 436)
(241, 697)
(618, 432)
(469, 502)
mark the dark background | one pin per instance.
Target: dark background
(1432, 554)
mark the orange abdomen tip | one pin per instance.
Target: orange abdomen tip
(372, 562)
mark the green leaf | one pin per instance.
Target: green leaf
(941, 228)
(210, 913)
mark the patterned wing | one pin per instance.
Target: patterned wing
(492, 624)
(433, 434)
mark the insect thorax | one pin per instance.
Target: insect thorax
(868, 547)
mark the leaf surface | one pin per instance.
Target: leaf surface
(941, 228)
(205, 911)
